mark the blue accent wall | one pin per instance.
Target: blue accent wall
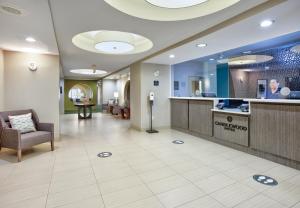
(223, 80)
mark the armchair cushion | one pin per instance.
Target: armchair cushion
(23, 123)
(34, 138)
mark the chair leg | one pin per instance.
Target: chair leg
(19, 155)
(52, 145)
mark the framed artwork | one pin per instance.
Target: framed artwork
(262, 88)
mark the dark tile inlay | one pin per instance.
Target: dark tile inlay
(178, 142)
(266, 180)
(104, 154)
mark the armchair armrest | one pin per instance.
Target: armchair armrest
(46, 127)
(10, 138)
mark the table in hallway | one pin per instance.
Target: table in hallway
(86, 107)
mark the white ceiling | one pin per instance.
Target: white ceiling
(35, 22)
(75, 16)
(286, 16)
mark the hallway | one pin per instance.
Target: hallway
(144, 171)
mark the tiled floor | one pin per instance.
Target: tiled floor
(145, 171)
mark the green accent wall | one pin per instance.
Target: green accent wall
(223, 80)
(69, 107)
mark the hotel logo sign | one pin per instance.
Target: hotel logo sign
(229, 126)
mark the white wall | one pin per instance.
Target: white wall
(120, 88)
(161, 108)
(142, 78)
(109, 87)
(38, 90)
(135, 96)
(1, 80)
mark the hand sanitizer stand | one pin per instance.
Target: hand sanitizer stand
(151, 100)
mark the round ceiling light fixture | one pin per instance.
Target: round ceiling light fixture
(11, 10)
(112, 42)
(114, 47)
(88, 71)
(249, 59)
(170, 10)
(175, 4)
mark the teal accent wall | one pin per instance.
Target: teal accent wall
(223, 80)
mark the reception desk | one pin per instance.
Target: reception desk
(271, 128)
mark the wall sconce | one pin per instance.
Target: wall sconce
(32, 66)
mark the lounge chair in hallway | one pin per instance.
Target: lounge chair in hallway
(14, 139)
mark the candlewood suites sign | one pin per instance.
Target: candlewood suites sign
(229, 126)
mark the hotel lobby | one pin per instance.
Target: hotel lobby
(150, 104)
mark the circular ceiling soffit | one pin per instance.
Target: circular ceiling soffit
(112, 42)
(170, 10)
(175, 4)
(88, 71)
(249, 59)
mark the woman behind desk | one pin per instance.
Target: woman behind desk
(274, 92)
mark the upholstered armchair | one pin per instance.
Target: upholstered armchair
(13, 139)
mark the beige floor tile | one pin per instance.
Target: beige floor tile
(93, 202)
(69, 184)
(186, 166)
(152, 202)
(260, 201)
(179, 196)
(200, 173)
(23, 194)
(286, 193)
(224, 165)
(241, 173)
(126, 196)
(103, 175)
(73, 195)
(203, 202)
(157, 174)
(153, 165)
(233, 195)
(167, 184)
(120, 184)
(30, 203)
(282, 172)
(214, 183)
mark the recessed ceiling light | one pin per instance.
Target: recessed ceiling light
(114, 47)
(88, 71)
(211, 59)
(112, 42)
(201, 45)
(267, 23)
(172, 56)
(247, 52)
(212, 74)
(11, 9)
(30, 39)
(175, 4)
(170, 10)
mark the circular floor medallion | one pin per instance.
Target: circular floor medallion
(104, 154)
(266, 180)
(178, 142)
